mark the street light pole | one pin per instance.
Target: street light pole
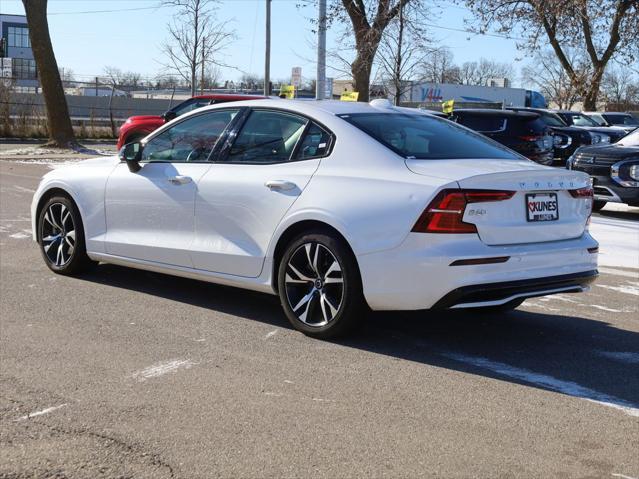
(320, 84)
(267, 59)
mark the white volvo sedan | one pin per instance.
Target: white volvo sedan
(334, 206)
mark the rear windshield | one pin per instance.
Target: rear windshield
(427, 137)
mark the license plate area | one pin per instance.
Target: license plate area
(542, 207)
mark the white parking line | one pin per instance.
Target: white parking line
(623, 476)
(624, 288)
(160, 369)
(565, 387)
(40, 413)
(271, 334)
(620, 272)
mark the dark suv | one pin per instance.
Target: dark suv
(522, 131)
(614, 170)
(567, 138)
(578, 119)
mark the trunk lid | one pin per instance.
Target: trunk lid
(541, 209)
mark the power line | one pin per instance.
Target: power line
(106, 11)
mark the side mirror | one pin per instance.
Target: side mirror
(169, 115)
(131, 154)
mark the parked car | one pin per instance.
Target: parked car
(614, 170)
(521, 131)
(567, 138)
(613, 118)
(331, 205)
(137, 127)
(578, 119)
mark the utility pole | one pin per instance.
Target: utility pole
(267, 59)
(320, 84)
(398, 63)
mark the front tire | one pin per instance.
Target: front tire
(320, 286)
(61, 237)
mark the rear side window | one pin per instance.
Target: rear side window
(526, 126)
(488, 123)
(267, 137)
(315, 143)
(427, 137)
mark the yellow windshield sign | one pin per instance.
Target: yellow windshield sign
(287, 91)
(349, 96)
(448, 106)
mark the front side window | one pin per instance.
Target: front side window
(18, 37)
(191, 140)
(427, 137)
(622, 120)
(267, 137)
(190, 105)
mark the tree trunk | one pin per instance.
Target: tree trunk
(592, 93)
(58, 121)
(361, 70)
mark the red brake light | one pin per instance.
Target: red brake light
(582, 192)
(445, 213)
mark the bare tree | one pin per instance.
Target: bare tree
(402, 52)
(620, 87)
(600, 29)
(478, 73)
(365, 22)
(195, 39)
(58, 121)
(439, 67)
(547, 74)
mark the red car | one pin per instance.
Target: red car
(137, 127)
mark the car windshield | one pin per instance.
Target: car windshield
(618, 119)
(578, 119)
(632, 139)
(426, 137)
(551, 119)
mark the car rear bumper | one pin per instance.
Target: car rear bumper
(494, 294)
(419, 274)
(605, 189)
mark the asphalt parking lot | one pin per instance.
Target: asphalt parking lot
(124, 373)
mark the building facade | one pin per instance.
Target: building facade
(16, 56)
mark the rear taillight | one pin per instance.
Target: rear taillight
(445, 213)
(587, 193)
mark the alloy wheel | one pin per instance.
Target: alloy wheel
(314, 284)
(57, 234)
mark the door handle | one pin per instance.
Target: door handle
(179, 180)
(280, 185)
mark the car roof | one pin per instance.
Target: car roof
(228, 96)
(490, 112)
(607, 113)
(333, 107)
(566, 111)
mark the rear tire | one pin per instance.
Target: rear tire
(319, 285)
(597, 205)
(61, 237)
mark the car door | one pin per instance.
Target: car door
(149, 214)
(251, 186)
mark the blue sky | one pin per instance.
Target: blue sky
(131, 39)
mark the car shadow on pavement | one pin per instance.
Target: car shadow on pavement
(620, 215)
(573, 355)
